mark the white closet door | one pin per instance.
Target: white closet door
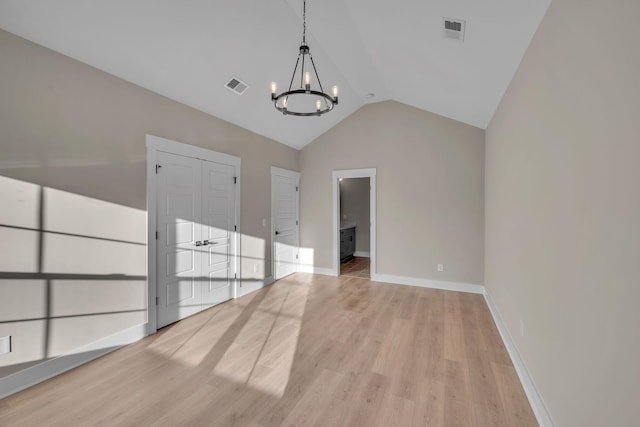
(285, 221)
(218, 223)
(178, 221)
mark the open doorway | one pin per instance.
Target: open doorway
(354, 222)
(355, 246)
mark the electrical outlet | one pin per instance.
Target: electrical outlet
(521, 328)
(5, 344)
(440, 267)
(264, 222)
(255, 267)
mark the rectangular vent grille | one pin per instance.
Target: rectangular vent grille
(454, 29)
(236, 85)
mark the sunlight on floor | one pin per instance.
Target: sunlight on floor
(262, 354)
(199, 338)
(250, 341)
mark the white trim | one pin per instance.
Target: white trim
(33, 375)
(428, 283)
(535, 400)
(353, 173)
(361, 254)
(285, 172)
(276, 171)
(315, 270)
(154, 145)
(174, 147)
(254, 285)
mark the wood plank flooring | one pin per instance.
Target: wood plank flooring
(356, 267)
(309, 350)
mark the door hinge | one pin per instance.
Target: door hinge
(235, 275)
(158, 167)
(235, 179)
(235, 228)
(156, 300)
(296, 188)
(296, 222)
(156, 235)
(296, 256)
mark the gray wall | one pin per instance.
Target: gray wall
(354, 207)
(430, 190)
(73, 216)
(563, 211)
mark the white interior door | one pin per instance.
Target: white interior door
(178, 220)
(285, 187)
(218, 222)
(196, 244)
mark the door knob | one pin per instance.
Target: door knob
(205, 243)
(277, 232)
(198, 243)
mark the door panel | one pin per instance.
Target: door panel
(178, 210)
(179, 262)
(179, 291)
(180, 232)
(218, 223)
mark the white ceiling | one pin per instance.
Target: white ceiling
(187, 50)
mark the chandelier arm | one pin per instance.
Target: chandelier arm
(293, 76)
(316, 71)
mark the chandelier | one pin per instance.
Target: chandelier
(304, 101)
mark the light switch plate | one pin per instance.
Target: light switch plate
(5, 344)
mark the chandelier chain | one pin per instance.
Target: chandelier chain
(304, 22)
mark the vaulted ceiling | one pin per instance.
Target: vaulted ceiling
(373, 50)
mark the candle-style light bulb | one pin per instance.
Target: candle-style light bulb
(274, 87)
(285, 102)
(335, 91)
(318, 104)
(307, 80)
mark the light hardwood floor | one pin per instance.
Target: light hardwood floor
(309, 350)
(359, 267)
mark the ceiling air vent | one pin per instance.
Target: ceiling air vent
(454, 29)
(237, 86)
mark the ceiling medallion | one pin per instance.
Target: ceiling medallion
(304, 101)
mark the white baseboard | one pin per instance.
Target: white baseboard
(33, 375)
(362, 254)
(315, 270)
(428, 283)
(254, 285)
(535, 400)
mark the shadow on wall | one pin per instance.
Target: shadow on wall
(72, 271)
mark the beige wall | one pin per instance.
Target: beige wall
(354, 207)
(430, 196)
(76, 136)
(563, 211)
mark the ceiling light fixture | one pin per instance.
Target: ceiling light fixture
(304, 101)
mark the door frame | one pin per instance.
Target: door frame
(276, 171)
(155, 144)
(354, 173)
